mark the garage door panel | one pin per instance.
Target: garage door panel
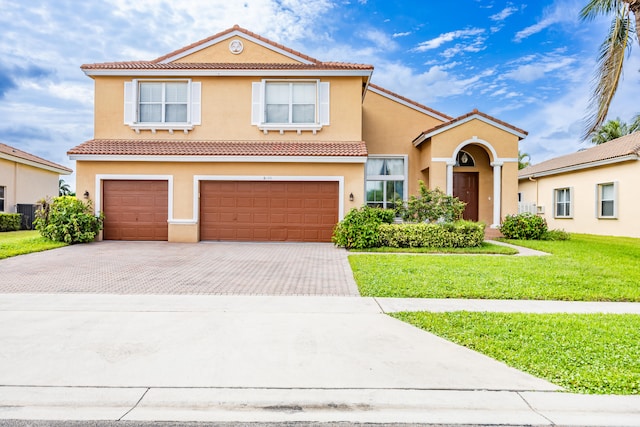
(135, 210)
(268, 210)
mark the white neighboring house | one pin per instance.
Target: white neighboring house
(594, 191)
(25, 178)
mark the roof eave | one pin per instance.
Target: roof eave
(224, 73)
(581, 166)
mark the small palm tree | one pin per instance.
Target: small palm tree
(622, 32)
(614, 129)
(63, 188)
(521, 160)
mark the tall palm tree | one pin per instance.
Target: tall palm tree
(625, 22)
(522, 163)
(63, 188)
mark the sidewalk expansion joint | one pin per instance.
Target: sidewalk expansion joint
(377, 302)
(534, 409)
(135, 405)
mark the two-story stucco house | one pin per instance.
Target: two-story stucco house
(236, 137)
(25, 179)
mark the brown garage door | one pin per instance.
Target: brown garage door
(135, 210)
(268, 210)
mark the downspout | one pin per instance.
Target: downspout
(532, 179)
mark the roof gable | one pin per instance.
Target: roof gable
(473, 115)
(15, 155)
(408, 102)
(615, 151)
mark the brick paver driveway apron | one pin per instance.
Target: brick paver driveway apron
(183, 268)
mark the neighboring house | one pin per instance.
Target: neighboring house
(25, 179)
(236, 137)
(592, 191)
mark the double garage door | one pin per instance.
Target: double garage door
(229, 210)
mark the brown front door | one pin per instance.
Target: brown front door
(268, 210)
(135, 210)
(465, 188)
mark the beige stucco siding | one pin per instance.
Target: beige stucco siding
(251, 53)
(26, 184)
(226, 112)
(584, 191)
(183, 173)
(390, 127)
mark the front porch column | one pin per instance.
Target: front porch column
(450, 165)
(497, 193)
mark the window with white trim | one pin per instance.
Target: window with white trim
(607, 200)
(563, 202)
(2, 192)
(162, 104)
(385, 182)
(283, 105)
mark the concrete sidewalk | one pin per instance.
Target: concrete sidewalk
(234, 358)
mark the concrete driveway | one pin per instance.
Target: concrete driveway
(112, 267)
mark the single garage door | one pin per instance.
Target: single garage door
(135, 210)
(268, 210)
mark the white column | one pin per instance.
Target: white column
(450, 165)
(497, 193)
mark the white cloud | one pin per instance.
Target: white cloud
(504, 13)
(562, 11)
(406, 33)
(447, 37)
(476, 46)
(380, 39)
(540, 66)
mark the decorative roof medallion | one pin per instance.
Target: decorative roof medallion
(236, 47)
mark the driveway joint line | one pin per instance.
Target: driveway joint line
(135, 405)
(534, 409)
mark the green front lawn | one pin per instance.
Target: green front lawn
(585, 268)
(485, 248)
(583, 353)
(14, 243)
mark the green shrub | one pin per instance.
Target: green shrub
(524, 226)
(461, 234)
(10, 221)
(359, 228)
(67, 219)
(431, 206)
(555, 235)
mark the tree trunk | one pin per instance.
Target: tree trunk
(634, 7)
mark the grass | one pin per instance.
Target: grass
(485, 249)
(585, 268)
(583, 353)
(14, 243)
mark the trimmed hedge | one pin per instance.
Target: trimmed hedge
(461, 234)
(67, 219)
(10, 221)
(524, 226)
(359, 228)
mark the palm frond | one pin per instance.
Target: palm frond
(609, 70)
(599, 7)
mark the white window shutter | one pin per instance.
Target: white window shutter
(196, 88)
(129, 103)
(256, 103)
(323, 101)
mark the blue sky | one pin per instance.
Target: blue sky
(527, 63)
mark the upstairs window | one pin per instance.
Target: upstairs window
(161, 102)
(298, 105)
(162, 105)
(563, 200)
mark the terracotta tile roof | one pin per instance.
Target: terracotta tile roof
(628, 145)
(228, 31)
(443, 115)
(149, 65)
(471, 114)
(14, 152)
(127, 147)
(158, 64)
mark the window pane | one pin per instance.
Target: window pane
(374, 191)
(176, 113)
(150, 92)
(607, 191)
(277, 113)
(395, 167)
(151, 113)
(607, 208)
(1, 192)
(304, 93)
(304, 113)
(176, 92)
(375, 167)
(277, 93)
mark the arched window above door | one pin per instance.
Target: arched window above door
(464, 159)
